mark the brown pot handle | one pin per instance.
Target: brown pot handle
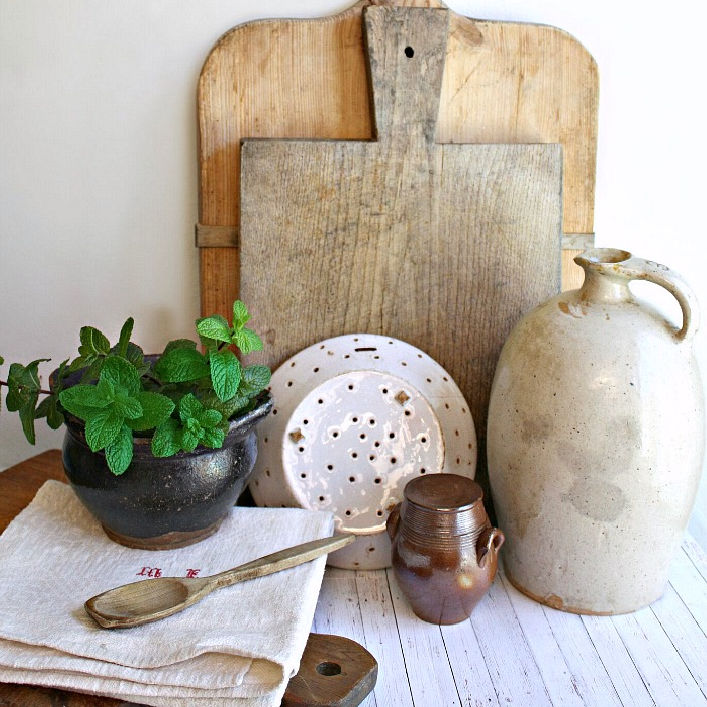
(489, 542)
(391, 525)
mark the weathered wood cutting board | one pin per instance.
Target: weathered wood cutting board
(442, 246)
(502, 83)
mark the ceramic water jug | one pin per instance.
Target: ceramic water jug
(445, 550)
(596, 438)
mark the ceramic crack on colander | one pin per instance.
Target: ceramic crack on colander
(355, 418)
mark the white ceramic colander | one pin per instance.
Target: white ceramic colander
(355, 418)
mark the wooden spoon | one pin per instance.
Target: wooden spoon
(152, 599)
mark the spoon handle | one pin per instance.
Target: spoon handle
(281, 560)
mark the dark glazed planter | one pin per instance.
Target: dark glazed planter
(160, 504)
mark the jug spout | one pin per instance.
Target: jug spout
(487, 546)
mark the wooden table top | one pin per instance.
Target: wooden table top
(512, 651)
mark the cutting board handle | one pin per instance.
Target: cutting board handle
(406, 49)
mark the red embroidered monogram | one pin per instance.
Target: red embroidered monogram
(150, 572)
(192, 573)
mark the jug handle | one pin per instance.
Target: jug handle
(391, 525)
(641, 269)
(489, 541)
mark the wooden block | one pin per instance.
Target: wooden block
(441, 245)
(334, 672)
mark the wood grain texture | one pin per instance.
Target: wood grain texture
(443, 246)
(333, 671)
(503, 82)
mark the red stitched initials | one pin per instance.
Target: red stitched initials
(150, 572)
(192, 573)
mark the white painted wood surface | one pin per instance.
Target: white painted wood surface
(514, 651)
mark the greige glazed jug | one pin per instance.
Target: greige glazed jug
(445, 550)
(596, 439)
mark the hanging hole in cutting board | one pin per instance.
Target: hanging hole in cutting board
(329, 669)
(409, 52)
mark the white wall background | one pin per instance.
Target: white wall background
(98, 172)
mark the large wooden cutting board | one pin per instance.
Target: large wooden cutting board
(441, 245)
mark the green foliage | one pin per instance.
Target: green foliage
(183, 400)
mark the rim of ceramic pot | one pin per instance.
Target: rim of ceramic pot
(598, 257)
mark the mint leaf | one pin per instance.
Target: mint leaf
(126, 406)
(121, 374)
(93, 342)
(225, 373)
(240, 314)
(49, 408)
(166, 440)
(190, 407)
(227, 408)
(209, 418)
(255, 378)
(23, 393)
(247, 340)
(179, 344)
(119, 453)
(215, 327)
(181, 365)
(125, 333)
(213, 438)
(189, 441)
(82, 400)
(102, 427)
(156, 409)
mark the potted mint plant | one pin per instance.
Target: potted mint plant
(157, 447)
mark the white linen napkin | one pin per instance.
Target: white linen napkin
(238, 646)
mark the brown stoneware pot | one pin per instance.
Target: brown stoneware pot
(445, 550)
(164, 503)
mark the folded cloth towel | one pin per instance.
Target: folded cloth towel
(238, 646)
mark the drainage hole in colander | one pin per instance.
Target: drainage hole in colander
(423, 470)
(407, 413)
(423, 439)
(347, 355)
(456, 433)
(354, 419)
(372, 457)
(350, 386)
(459, 461)
(372, 422)
(371, 549)
(354, 455)
(377, 480)
(403, 363)
(365, 348)
(320, 401)
(379, 513)
(305, 422)
(321, 498)
(289, 384)
(376, 356)
(445, 379)
(292, 365)
(429, 380)
(303, 475)
(352, 479)
(265, 440)
(300, 449)
(376, 444)
(463, 411)
(384, 391)
(348, 513)
(393, 460)
(334, 434)
(419, 355)
(267, 472)
(330, 467)
(392, 435)
(362, 436)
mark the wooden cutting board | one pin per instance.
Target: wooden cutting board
(401, 236)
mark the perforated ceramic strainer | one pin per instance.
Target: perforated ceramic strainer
(355, 418)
